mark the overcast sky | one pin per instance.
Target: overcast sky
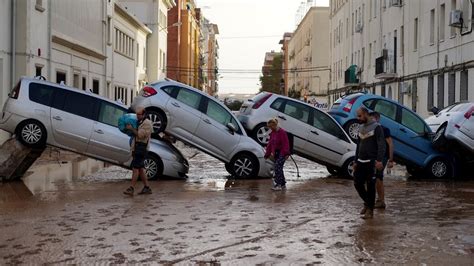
(248, 29)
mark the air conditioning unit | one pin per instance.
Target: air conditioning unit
(359, 27)
(455, 18)
(405, 88)
(397, 3)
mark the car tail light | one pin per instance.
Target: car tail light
(348, 106)
(457, 126)
(261, 101)
(468, 114)
(16, 91)
(148, 91)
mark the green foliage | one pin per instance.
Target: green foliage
(272, 82)
(234, 105)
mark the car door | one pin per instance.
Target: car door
(294, 118)
(184, 112)
(72, 119)
(107, 141)
(326, 140)
(212, 133)
(411, 140)
(467, 126)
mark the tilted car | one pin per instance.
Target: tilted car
(316, 135)
(411, 135)
(203, 122)
(41, 112)
(453, 123)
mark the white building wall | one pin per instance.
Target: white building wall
(433, 54)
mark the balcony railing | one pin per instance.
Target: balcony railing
(385, 66)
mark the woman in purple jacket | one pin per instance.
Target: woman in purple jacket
(278, 149)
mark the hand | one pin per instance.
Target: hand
(129, 127)
(390, 164)
(286, 157)
(379, 165)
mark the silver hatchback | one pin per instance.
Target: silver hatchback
(41, 112)
(317, 136)
(203, 122)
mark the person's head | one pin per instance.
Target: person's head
(140, 111)
(363, 115)
(273, 124)
(375, 116)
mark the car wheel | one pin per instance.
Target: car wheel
(439, 168)
(244, 165)
(32, 133)
(347, 169)
(228, 168)
(439, 139)
(158, 121)
(352, 129)
(261, 134)
(153, 167)
(332, 170)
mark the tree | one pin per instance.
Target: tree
(233, 105)
(272, 81)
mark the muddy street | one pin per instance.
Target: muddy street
(62, 214)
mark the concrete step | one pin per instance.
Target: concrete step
(16, 159)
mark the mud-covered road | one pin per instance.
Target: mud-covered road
(54, 216)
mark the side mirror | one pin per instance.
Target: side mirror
(434, 110)
(231, 128)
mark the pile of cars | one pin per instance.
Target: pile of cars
(40, 112)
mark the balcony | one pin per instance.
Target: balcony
(350, 76)
(385, 67)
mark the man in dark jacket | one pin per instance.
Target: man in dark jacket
(369, 156)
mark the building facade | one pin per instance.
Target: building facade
(285, 41)
(415, 52)
(210, 56)
(308, 69)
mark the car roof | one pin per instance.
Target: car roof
(293, 99)
(56, 85)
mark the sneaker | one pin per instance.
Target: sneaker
(283, 187)
(145, 190)
(369, 214)
(277, 188)
(380, 204)
(364, 210)
(129, 191)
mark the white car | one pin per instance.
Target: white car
(316, 135)
(456, 123)
(205, 123)
(41, 112)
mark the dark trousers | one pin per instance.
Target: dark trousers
(279, 174)
(364, 175)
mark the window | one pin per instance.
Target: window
(84, 83)
(370, 55)
(137, 57)
(382, 91)
(40, 93)
(109, 30)
(451, 88)
(218, 113)
(60, 76)
(323, 122)
(453, 29)
(440, 91)
(119, 93)
(414, 95)
(415, 34)
(386, 108)
(430, 92)
(189, 98)
(402, 40)
(170, 90)
(277, 104)
(75, 81)
(463, 95)
(95, 86)
(413, 122)
(297, 110)
(110, 113)
(144, 57)
(38, 71)
(124, 44)
(432, 26)
(442, 21)
(79, 104)
(369, 103)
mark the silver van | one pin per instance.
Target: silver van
(40, 112)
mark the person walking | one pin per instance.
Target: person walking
(387, 162)
(278, 149)
(369, 155)
(139, 148)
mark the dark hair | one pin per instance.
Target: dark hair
(364, 110)
(375, 115)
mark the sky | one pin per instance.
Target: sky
(248, 29)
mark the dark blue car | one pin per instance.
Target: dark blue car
(411, 135)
